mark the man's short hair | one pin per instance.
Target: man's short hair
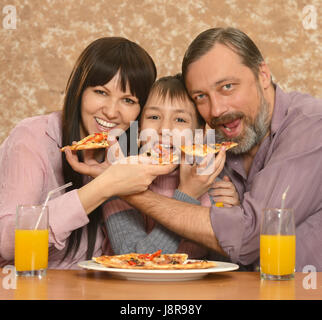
(233, 38)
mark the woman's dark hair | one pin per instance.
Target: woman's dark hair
(173, 87)
(233, 38)
(97, 65)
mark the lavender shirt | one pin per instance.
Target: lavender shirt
(290, 155)
(31, 166)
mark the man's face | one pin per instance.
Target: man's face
(229, 97)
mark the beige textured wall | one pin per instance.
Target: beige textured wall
(37, 56)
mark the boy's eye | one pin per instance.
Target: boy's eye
(153, 117)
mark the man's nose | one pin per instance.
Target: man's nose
(218, 107)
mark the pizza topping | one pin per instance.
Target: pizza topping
(93, 141)
(155, 254)
(162, 154)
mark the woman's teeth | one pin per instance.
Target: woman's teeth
(104, 123)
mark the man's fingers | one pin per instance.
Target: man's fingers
(221, 192)
(227, 201)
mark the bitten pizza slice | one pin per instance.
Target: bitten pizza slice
(202, 150)
(162, 155)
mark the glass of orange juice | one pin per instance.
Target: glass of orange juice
(277, 244)
(31, 240)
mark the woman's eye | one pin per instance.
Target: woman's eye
(129, 101)
(180, 120)
(101, 92)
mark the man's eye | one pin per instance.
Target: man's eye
(199, 97)
(227, 87)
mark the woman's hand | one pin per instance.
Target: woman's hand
(92, 166)
(132, 175)
(195, 180)
(225, 192)
(129, 176)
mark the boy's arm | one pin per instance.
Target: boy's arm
(127, 233)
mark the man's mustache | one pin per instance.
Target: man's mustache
(227, 118)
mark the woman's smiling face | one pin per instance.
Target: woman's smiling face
(107, 107)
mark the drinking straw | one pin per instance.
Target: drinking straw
(48, 196)
(282, 208)
(283, 197)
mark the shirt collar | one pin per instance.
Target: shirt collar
(281, 105)
(54, 127)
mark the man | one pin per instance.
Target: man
(279, 139)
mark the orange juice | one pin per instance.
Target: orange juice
(277, 254)
(31, 250)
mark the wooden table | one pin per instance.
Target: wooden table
(96, 285)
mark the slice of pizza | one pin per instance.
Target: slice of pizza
(161, 155)
(195, 264)
(93, 141)
(201, 150)
(154, 261)
(227, 144)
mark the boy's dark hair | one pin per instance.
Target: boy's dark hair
(172, 87)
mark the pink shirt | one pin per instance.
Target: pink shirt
(31, 166)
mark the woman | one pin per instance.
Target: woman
(106, 90)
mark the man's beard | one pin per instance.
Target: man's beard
(253, 132)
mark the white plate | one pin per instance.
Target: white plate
(159, 275)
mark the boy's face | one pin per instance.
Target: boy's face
(168, 122)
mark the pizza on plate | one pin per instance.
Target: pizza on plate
(93, 141)
(202, 150)
(154, 261)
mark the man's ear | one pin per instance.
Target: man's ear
(264, 75)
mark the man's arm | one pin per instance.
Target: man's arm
(187, 220)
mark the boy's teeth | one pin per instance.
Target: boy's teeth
(105, 123)
(167, 146)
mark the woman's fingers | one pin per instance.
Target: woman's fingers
(78, 166)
